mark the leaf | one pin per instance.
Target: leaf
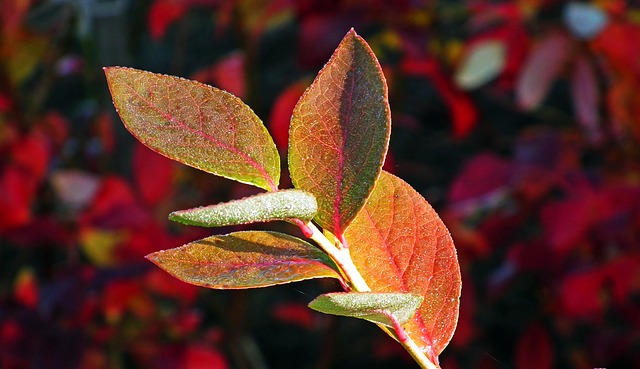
(586, 97)
(400, 245)
(245, 260)
(543, 66)
(152, 174)
(339, 133)
(483, 62)
(534, 349)
(374, 307)
(585, 21)
(278, 205)
(195, 124)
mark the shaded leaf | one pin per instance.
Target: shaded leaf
(400, 245)
(483, 62)
(374, 307)
(543, 66)
(153, 174)
(281, 113)
(195, 124)
(277, 205)
(228, 73)
(534, 350)
(586, 96)
(245, 260)
(339, 133)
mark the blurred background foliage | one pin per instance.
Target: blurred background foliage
(518, 120)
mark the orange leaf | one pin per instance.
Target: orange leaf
(399, 244)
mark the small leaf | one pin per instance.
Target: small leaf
(374, 307)
(584, 20)
(339, 133)
(195, 124)
(278, 205)
(543, 66)
(400, 245)
(245, 260)
(586, 97)
(483, 62)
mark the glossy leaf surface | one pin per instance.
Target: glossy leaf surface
(339, 133)
(277, 205)
(399, 244)
(245, 260)
(195, 124)
(374, 307)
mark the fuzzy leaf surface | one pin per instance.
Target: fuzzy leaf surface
(245, 260)
(277, 205)
(339, 133)
(195, 124)
(374, 307)
(400, 245)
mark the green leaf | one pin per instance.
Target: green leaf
(400, 245)
(195, 124)
(245, 260)
(374, 307)
(482, 63)
(339, 133)
(278, 205)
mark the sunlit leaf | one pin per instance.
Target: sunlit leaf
(400, 245)
(584, 20)
(277, 205)
(374, 307)
(542, 68)
(483, 62)
(339, 133)
(245, 260)
(195, 124)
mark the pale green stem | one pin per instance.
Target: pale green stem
(342, 257)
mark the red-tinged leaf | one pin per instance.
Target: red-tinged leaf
(163, 284)
(586, 97)
(339, 133)
(281, 113)
(226, 74)
(245, 260)
(399, 244)
(103, 129)
(464, 114)
(613, 45)
(162, 13)
(153, 174)
(25, 288)
(541, 69)
(17, 190)
(581, 294)
(196, 124)
(534, 350)
(623, 275)
(296, 314)
(482, 183)
(201, 357)
(566, 223)
(31, 154)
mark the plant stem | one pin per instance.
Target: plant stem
(342, 257)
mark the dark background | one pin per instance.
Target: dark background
(535, 169)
